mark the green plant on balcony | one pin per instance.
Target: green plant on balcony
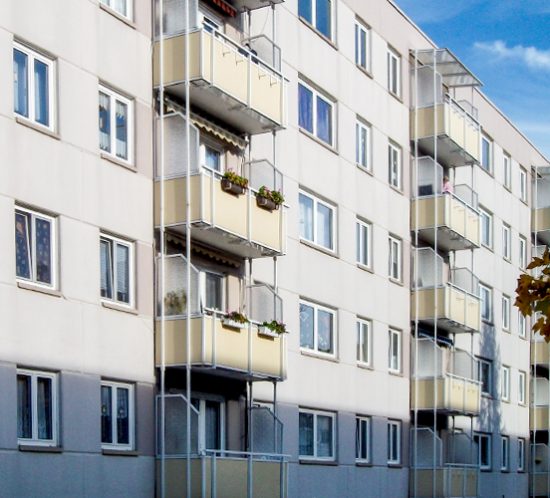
(273, 328)
(235, 319)
(174, 302)
(269, 199)
(234, 183)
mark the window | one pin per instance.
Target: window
(394, 442)
(505, 383)
(317, 435)
(394, 166)
(506, 241)
(486, 376)
(394, 351)
(362, 45)
(505, 313)
(363, 341)
(363, 234)
(394, 261)
(522, 252)
(362, 439)
(521, 455)
(522, 376)
(317, 328)
(507, 167)
(484, 450)
(117, 415)
(37, 409)
(211, 423)
(35, 247)
(486, 225)
(504, 453)
(318, 13)
(317, 221)
(486, 153)
(522, 329)
(33, 86)
(316, 113)
(122, 7)
(115, 124)
(212, 290)
(117, 269)
(212, 156)
(523, 184)
(486, 297)
(394, 72)
(362, 145)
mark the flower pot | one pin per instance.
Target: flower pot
(231, 188)
(267, 332)
(227, 322)
(265, 203)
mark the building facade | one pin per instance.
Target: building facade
(299, 229)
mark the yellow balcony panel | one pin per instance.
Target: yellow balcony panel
(226, 80)
(540, 353)
(457, 223)
(457, 133)
(539, 418)
(230, 223)
(449, 394)
(244, 353)
(450, 482)
(457, 310)
(541, 224)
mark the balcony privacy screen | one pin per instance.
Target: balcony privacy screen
(267, 431)
(175, 147)
(264, 305)
(265, 49)
(175, 16)
(263, 173)
(176, 426)
(429, 182)
(176, 295)
(442, 361)
(453, 448)
(429, 269)
(422, 455)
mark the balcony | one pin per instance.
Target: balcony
(238, 81)
(445, 379)
(540, 219)
(449, 301)
(231, 223)
(539, 479)
(244, 351)
(451, 219)
(540, 408)
(540, 352)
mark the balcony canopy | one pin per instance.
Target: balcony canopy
(453, 72)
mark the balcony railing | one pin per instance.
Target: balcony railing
(539, 479)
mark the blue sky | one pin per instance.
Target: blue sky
(506, 44)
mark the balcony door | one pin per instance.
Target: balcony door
(211, 423)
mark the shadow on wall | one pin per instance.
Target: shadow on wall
(490, 417)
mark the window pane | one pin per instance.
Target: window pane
(104, 122)
(323, 18)
(324, 331)
(362, 342)
(212, 158)
(306, 326)
(20, 83)
(121, 6)
(22, 246)
(106, 268)
(213, 291)
(306, 434)
(106, 415)
(304, 9)
(324, 436)
(44, 408)
(363, 44)
(41, 93)
(43, 251)
(324, 120)
(305, 103)
(24, 403)
(121, 130)
(123, 273)
(306, 217)
(122, 416)
(324, 226)
(212, 426)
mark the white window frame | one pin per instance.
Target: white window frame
(394, 459)
(507, 167)
(202, 289)
(313, 22)
(131, 415)
(316, 308)
(506, 241)
(211, 144)
(132, 270)
(363, 425)
(505, 383)
(33, 215)
(522, 387)
(363, 230)
(522, 325)
(360, 49)
(34, 440)
(504, 453)
(489, 363)
(33, 55)
(486, 214)
(395, 165)
(489, 140)
(395, 248)
(523, 184)
(364, 335)
(202, 399)
(363, 155)
(395, 363)
(488, 440)
(317, 94)
(317, 201)
(521, 455)
(113, 97)
(522, 252)
(129, 8)
(315, 414)
(391, 56)
(489, 292)
(506, 313)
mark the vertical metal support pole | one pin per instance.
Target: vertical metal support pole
(250, 492)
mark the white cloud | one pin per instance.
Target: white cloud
(434, 11)
(530, 56)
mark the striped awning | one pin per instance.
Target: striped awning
(203, 250)
(224, 7)
(218, 131)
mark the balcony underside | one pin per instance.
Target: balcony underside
(447, 239)
(448, 482)
(449, 152)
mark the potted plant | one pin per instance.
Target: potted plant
(235, 320)
(269, 199)
(174, 302)
(272, 329)
(234, 183)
